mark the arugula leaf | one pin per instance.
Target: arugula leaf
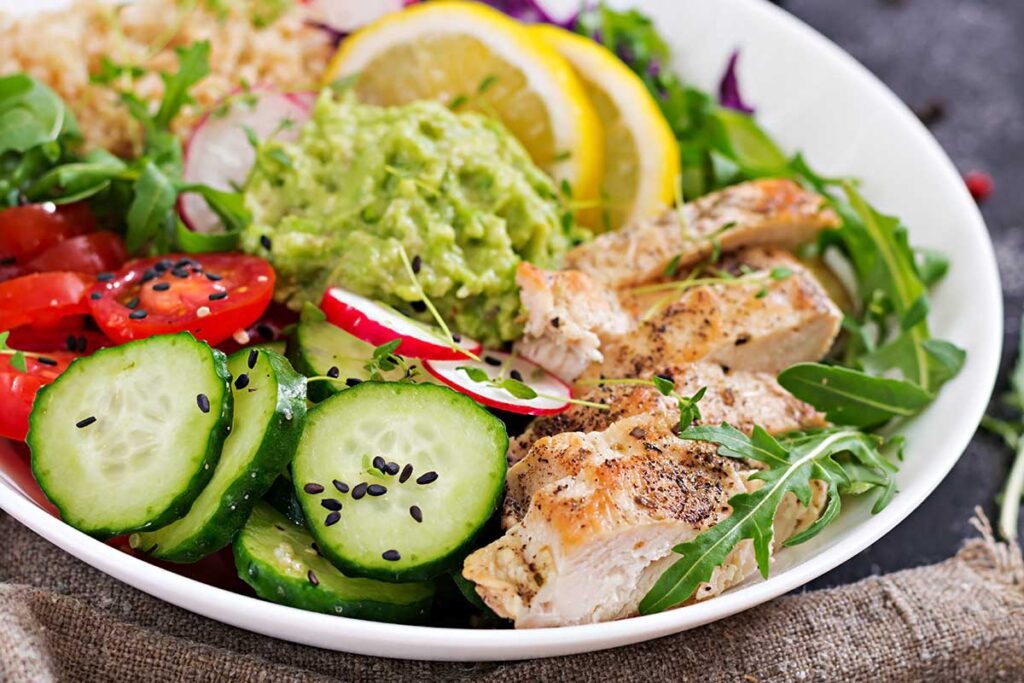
(151, 213)
(75, 181)
(792, 464)
(851, 397)
(31, 114)
(193, 66)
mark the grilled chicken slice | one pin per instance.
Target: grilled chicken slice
(759, 212)
(592, 542)
(567, 313)
(760, 325)
(741, 398)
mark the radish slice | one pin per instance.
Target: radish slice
(345, 16)
(220, 155)
(553, 394)
(378, 324)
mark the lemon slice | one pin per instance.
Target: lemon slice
(641, 156)
(470, 56)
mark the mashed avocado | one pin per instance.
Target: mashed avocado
(363, 182)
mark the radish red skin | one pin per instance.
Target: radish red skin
(369, 321)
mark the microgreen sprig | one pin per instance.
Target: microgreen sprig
(518, 388)
(17, 357)
(434, 313)
(689, 412)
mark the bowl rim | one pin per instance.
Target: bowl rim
(447, 644)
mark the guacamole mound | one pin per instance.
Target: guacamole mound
(456, 191)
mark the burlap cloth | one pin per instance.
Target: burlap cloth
(960, 620)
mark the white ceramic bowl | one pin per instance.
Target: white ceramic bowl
(812, 97)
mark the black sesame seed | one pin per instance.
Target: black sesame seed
(378, 463)
(417, 263)
(95, 296)
(82, 344)
(406, 473)
(180, 273)
(332, 519)
(391, 555)
(147, 275)
(264, 330)
(182, 262)
(254, 356)
(391, 468)
(312, 578)
(137, 314)
(555, 322)
(427, 478)
(376, 490)
(217, 296)
(418, 306)
(164, 264)
(330, 504)
(203, 402)
(242, 381)
(105, 277)
(161, 286)
(86, 422)
(416, 513)
(456, 337)
(43, 360)
(352, 381)
(213, 277)
(516, 375)
(132, 303)
(359, 490)
(265, 242)
(333, 372)
(491, 360)
(313, 488)
(340, 485)
(71, 343)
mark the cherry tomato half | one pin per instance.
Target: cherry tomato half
(31, 229)
(96, 253)
(41, 298)
(210, 295)
(71, 335)
(18, 389)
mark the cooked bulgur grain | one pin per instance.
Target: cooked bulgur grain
(64, 48)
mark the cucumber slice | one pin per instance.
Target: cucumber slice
(126, 439)
(269, 413)
(279, 560)
(281, 497)
(456, 451)
(317, 347)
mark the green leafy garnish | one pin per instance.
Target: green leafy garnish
(1012, 432)
(851, 397)
(848, 461)
(39, 160)
(17, 357)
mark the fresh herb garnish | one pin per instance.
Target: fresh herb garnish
(848, 461)
(689, 412)
(17, 357)
(850, 397)
(1012, 432)
(39, 159)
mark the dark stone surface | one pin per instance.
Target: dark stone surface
(967, 57)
